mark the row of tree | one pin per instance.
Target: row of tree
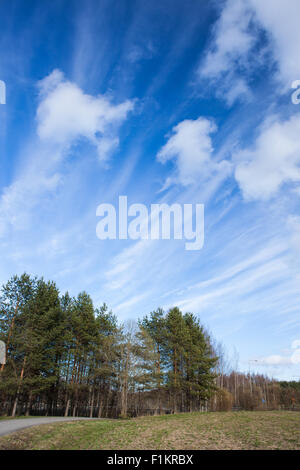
(65, 357)
(250, 391)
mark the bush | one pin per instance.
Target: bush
(250, 401)
(222, 400)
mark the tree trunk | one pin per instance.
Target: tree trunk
(18, 389)
(67, 407)
(100, 408)
(124, 391)
(28, 405)
(92, 403)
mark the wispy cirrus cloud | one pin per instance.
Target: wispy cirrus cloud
(245, 281)
(280, 21)
(39, 178)
(65, 114)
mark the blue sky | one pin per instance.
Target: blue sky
(176, 102)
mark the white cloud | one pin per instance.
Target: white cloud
(191, 148)
(281, 21)
(293, 238)
(126, 261)
(236, 49)
(231, 42)
(274, 360)
(272, 161)
(232, 39)
(139, 52)
(262, 257)
(243, 284)
(296, 344)
(66, 114)
(294, 228)
(238, 89)
(277, 360)
(39, 178)
(129, 303)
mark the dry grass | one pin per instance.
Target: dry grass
(233, 430)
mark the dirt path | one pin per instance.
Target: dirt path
(12, 425)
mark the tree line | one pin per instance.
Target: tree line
(66, 357)
(250, 391)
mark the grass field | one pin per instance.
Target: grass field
(232, 430)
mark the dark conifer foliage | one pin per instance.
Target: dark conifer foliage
(66, 357)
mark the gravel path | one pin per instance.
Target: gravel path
(12, 425)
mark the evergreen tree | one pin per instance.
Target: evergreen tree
(198, 361)
(147, 372)
(64, 356)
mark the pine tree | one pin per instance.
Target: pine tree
(83, 329)
(106, 356)
(147, 376)
(155, 326)
(14, 296)
(199, 361)
(175, 339)
(38, 339)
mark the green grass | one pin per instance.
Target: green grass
(233, 430)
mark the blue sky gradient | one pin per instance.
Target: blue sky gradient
(102, 97)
